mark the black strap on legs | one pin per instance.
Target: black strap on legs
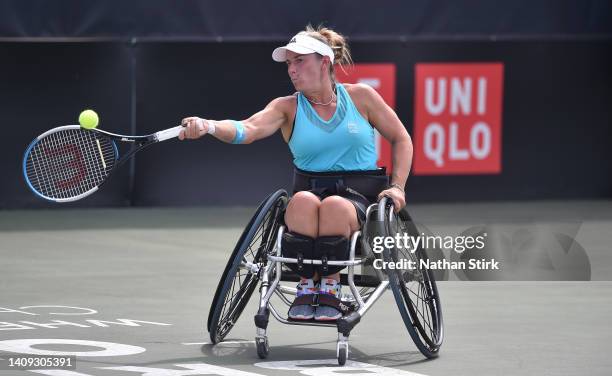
(331, 248)
(300, 247)
(300, 262)
(324, 268)
(332, 301)
(306, 299)
(316, 300)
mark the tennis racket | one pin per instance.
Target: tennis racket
(69, 163)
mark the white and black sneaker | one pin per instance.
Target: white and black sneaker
(325, 312)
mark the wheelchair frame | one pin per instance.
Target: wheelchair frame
(268, 270)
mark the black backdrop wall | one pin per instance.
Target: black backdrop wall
(43, 85)
(279, 19)
(556, 115)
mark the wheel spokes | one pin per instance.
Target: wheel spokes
(418, 295)
(246, 271)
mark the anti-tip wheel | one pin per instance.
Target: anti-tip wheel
(263, 348)
(342, 354)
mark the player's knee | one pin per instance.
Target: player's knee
(337, 209)
(304, 201)
(302, 213)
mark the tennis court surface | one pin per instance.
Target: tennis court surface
(129, 290)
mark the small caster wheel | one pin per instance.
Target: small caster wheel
(263, 349)
(342, 354)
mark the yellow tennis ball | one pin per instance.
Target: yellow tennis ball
(88, 119)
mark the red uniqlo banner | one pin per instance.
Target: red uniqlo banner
(382, 78)
(457, 127)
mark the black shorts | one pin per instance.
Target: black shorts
(361, 188)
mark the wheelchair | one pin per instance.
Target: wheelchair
(257, 261)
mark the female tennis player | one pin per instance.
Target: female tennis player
(330, 131)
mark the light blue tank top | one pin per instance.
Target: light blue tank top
(343, 143)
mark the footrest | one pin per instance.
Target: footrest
(313, 321)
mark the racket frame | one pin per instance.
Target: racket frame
(138, 142)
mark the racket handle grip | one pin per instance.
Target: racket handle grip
(168, 133)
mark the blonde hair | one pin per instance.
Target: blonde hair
(338, 44)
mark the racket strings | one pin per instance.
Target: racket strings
(50, 161)
(81, 167)
(70, 162)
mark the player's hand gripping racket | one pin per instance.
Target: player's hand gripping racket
(69, 163)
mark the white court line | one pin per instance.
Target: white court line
(220, 343)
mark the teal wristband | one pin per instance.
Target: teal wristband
(239, 137)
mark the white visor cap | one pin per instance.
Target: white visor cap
(302, 44)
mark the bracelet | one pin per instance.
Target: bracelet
(211, 126)
(239, 137)
(395, 185)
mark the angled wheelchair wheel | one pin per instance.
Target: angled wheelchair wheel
(241, 274)
(415, 291)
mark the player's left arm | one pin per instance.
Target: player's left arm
(385, 120)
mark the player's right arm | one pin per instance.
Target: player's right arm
(261, 125)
